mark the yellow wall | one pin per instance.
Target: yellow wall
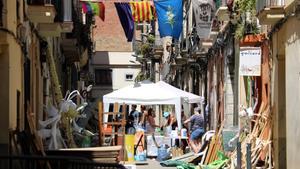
(11, 16)
(4, 96)
(15, 80)
(10, 72)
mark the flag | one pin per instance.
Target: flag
(97, 9)
(170, 17)
(102, 11)
(86, 8)
(204, 14)
(141, 11)
(126, 19)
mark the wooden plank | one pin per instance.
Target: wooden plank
(109, 148)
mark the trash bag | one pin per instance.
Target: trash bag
(163, 153)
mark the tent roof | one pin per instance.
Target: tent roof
(192, 98)
(144, 92)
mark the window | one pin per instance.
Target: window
(129, 77)
(103, 77)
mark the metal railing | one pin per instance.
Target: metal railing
(53, 162)
(261, 4)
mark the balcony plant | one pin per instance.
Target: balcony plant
(247, 22)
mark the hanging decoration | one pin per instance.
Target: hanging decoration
(170, 17)
(94, 8)
(204, 13)
(141, 11)
(126, 19)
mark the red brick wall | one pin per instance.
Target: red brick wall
(109, 35)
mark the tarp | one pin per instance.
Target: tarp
(149, 93)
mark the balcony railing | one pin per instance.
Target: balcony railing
(262, 4)
(270, 11)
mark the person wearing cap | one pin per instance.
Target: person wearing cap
(197, 129)
(170, 120)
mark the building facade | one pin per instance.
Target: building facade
(112, 63)
(284, 45)
(33, 35)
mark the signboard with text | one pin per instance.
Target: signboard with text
(250, 61)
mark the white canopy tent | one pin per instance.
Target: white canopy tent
(148, 93)
(189, 97)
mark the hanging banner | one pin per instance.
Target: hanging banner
(250, 61)
(204, 11)
(170, 17)
(126, 19)
(141, 11)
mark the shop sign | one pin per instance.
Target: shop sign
(250, 61)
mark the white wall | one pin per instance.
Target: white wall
(119, 80)
(292, 51)
(119, 63)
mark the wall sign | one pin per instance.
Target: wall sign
(250, 61)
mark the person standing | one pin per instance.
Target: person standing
(150, 122)
(133, 119)
(197, 129)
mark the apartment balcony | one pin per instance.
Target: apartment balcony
(70, 48)
(66, 16)
(223, 14)
(41, 11)
(270, 12)
(158, 52)
(49, 29)
(51, 17)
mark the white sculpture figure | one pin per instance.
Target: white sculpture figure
(56, 140)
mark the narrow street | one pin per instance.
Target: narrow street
(136, 84)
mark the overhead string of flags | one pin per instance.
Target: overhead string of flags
(168, 13)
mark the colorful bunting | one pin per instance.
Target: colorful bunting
(126, 19)
(95, 8)
(141, 11)
(170, 17)
(102, 11)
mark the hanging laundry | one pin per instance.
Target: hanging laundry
(141, 11)
(126, 19)
(170, 17)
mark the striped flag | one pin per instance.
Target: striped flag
(141, 11)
